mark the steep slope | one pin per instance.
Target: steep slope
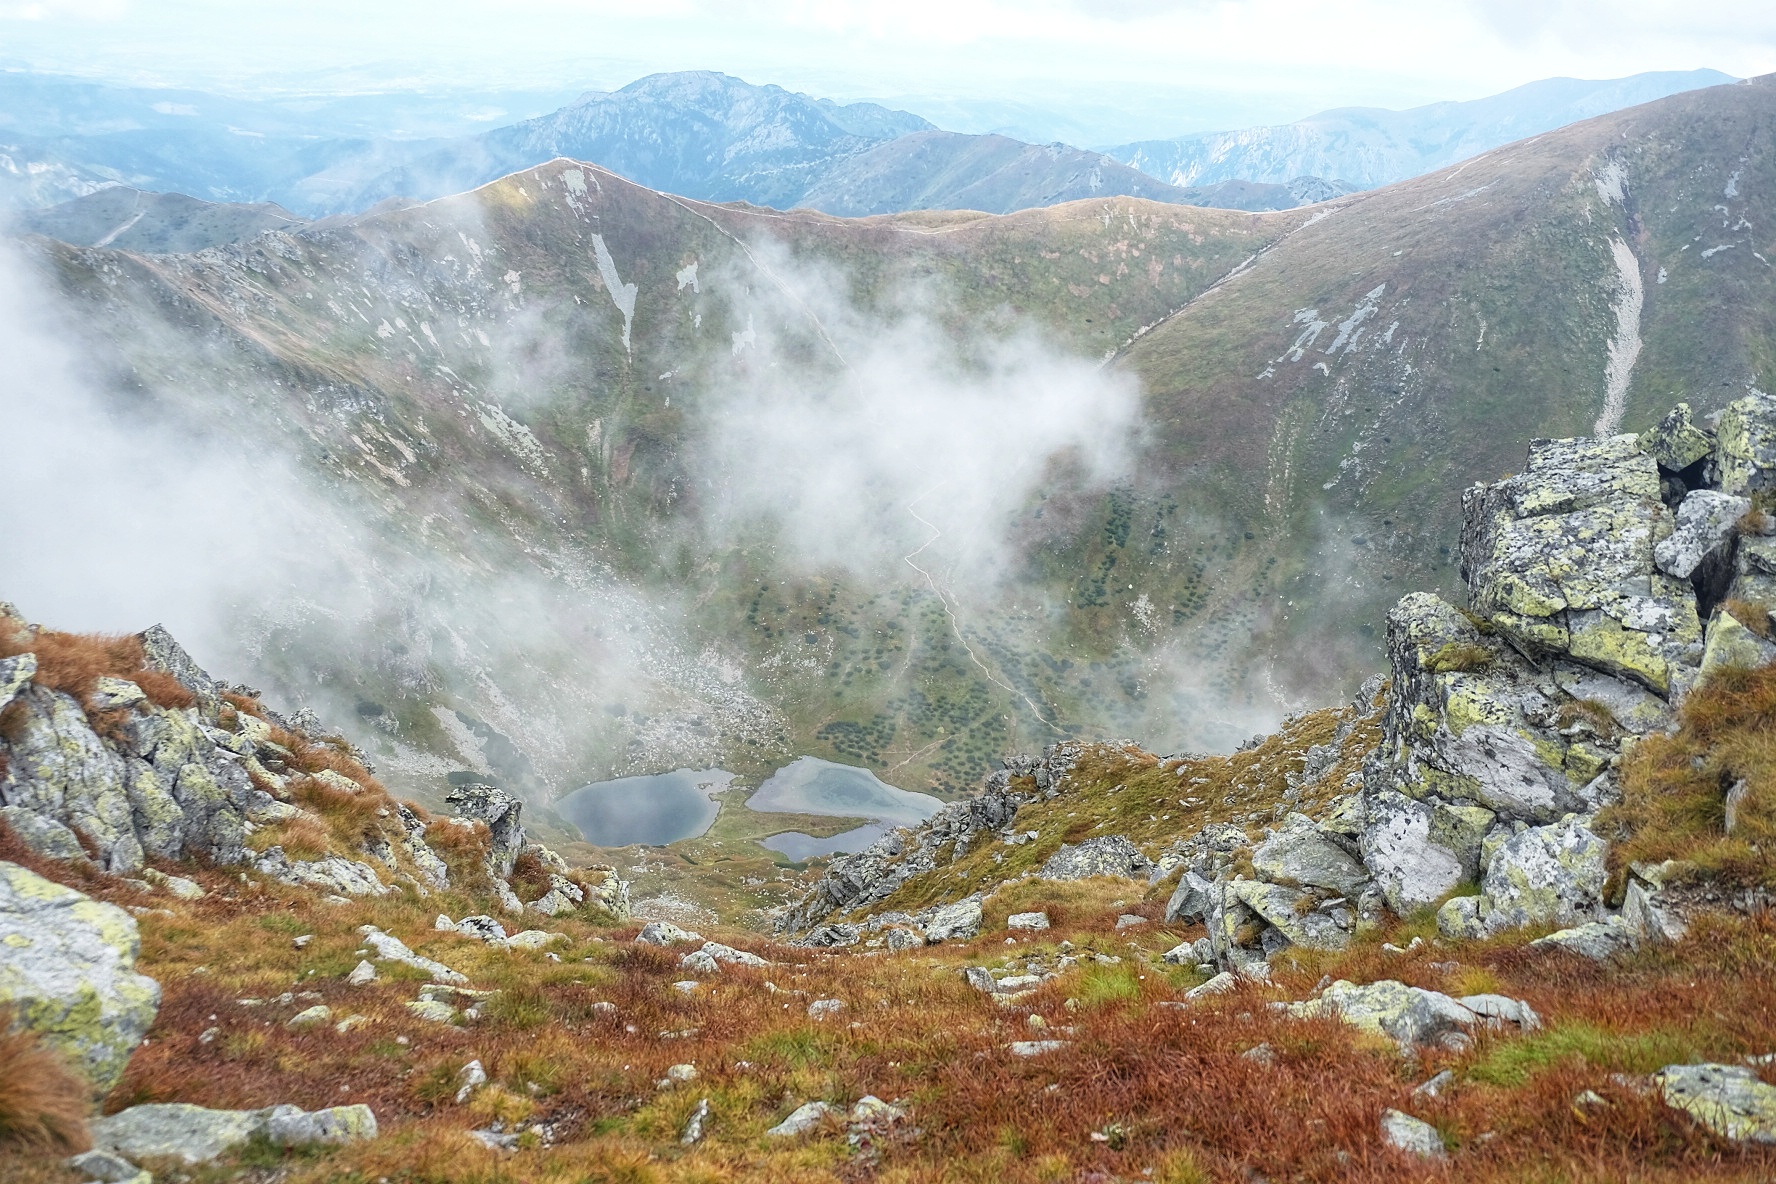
(1309, 420)
(152, 223)
(533, 378)
(1333, 397)
(1369, 146)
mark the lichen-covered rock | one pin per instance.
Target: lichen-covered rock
(1730, 1100)
(42, 834)
(1560, 560)
(1745, 451)
(952, 922)
(1541, 875)
(1414, 1136)
(195, 1134)
(1409, 1015)
(1677, 443)
(1411, 870)
(1470, 723)
(1290, 913)
(1597, 940)
(1111, 855)
(1707, 522)
(335, 874)
(16, 673)
(1732, 646)
(1298, 855)
(1754, 570)
(665, 933)
(501, 812)
(60, 769)
(67, 970)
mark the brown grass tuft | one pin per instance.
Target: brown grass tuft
(1675, 787)
(43, 1103)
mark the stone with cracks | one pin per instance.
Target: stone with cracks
(1706, 523)
(953, 922)
(1111, 855)
(1409, 1015)
(1730, 1100)
(1297, 855)
(67, 971)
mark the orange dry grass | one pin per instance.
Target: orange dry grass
(43, 1104)
(1675, 787)
(72, 663)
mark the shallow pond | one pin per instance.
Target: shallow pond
(656, 810)
(814, 786)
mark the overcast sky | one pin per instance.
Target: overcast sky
(1244, 60)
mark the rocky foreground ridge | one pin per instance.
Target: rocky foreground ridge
(1605, 582)
(119, 754)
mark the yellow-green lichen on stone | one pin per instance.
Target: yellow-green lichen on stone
(67, 971)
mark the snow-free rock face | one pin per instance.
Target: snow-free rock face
(67, 972)
(166, 784)
(1605, 581)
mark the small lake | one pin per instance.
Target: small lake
(814, 786)
(656, 810)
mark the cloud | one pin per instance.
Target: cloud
(916, 445)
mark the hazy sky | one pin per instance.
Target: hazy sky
(1268, 59)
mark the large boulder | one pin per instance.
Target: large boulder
(1543, 875)
(1111, 855)
(67, 972)
(1298, 855)
(1560, 559)
(194, 1134)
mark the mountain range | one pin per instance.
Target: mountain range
(760, 484)
(1364, 147)
(710, 136)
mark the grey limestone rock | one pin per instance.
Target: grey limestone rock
(1111, 855)
(15, 675)
(1730, 1100)
(67, 970)
(1297, 855)
(1411, 1135)
(1410, 1015)
(194, 1134)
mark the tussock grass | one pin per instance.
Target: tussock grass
(1675, 787)
(43, 1103)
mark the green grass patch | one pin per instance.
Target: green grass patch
(1511, 1063)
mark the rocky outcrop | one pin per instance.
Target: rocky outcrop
(858, 882)
(67, 972)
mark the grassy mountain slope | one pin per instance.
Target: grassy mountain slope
(152, 223)
(464, 368)
(1337, 395)
(1309, 422)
